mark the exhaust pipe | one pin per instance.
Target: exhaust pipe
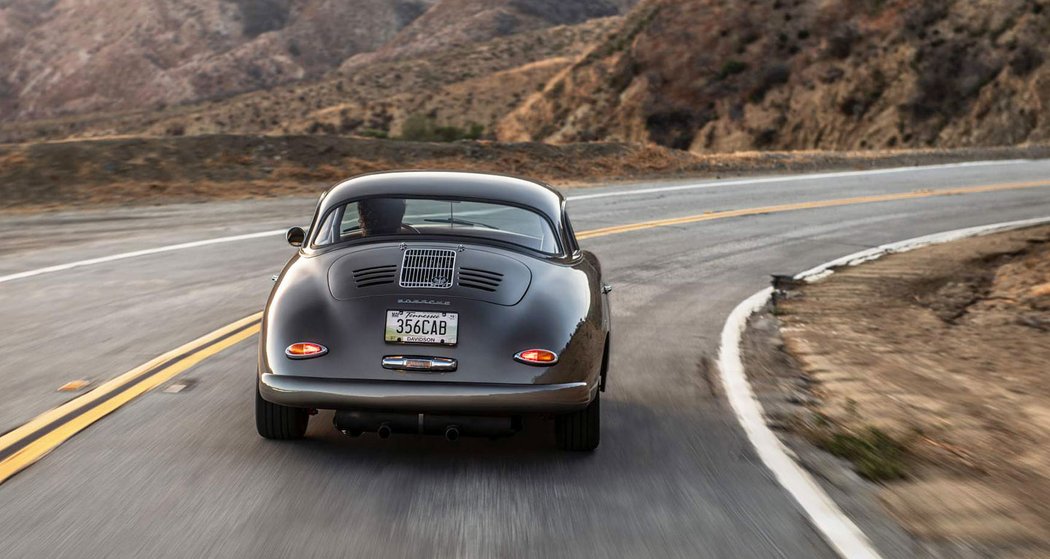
(453, 427)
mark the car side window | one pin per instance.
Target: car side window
(328, 231)
(574, 246)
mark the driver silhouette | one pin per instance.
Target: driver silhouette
(381, 216)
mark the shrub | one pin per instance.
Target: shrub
(423, 128)
(260, 16)
(764, 138)
(876, 455)
(864, 95)
(730, 68)
(1025, 60)
(675, 127)
(317, 127)
(774, 75)
(840, 42)
(950, 74)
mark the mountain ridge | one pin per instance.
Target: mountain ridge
(73, 57)
(719, 75)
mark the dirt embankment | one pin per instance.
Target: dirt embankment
(930, 370)
(198, 168)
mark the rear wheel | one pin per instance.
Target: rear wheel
(580, 430)
(274, 421)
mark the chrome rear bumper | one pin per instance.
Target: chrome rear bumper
(425, 396)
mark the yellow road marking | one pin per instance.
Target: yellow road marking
(46, 443)
(807, 206)
(49, 417)
(52, 439)
(40, 447)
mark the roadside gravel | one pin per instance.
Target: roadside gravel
(945, 351)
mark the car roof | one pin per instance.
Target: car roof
(448, 184)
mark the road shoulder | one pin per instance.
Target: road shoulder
(932, 363)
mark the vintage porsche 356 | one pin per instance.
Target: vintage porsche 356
(436, 303)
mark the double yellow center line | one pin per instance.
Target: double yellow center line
(707, 216)
(33, 440)
(30, 442)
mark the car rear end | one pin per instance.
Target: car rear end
(434, 302)
(421, 337)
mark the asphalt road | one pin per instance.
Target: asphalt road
(185, 475)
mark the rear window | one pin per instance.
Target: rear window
(378, 217)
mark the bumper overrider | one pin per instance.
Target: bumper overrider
(425, 396)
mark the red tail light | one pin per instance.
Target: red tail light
(537, 357)
(305, 350)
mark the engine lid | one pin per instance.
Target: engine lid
(426, 271)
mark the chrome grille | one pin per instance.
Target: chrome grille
(428, 268)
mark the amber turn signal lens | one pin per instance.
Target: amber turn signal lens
(305, 350)
(537, 357)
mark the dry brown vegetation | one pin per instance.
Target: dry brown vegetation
(931, 366)
(152, 170)
(181, 168)
(702, 75)
(726, 75)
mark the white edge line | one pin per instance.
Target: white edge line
(794, 178)
(136, 253)
(825, 269)
(836, 528)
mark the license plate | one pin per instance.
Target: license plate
(422, 327)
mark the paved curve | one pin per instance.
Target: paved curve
(185, 475)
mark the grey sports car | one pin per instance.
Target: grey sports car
(436, 303)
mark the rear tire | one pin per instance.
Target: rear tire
(580, 430)
(274, 421)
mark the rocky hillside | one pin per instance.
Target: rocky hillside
(725, 75)
(458, 22)
(76, 56)
(468, 86)
(69, 57)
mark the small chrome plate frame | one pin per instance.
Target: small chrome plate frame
(420, 364)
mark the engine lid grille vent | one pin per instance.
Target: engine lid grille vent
(375, 275)
(427, 268)
(476, 278)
